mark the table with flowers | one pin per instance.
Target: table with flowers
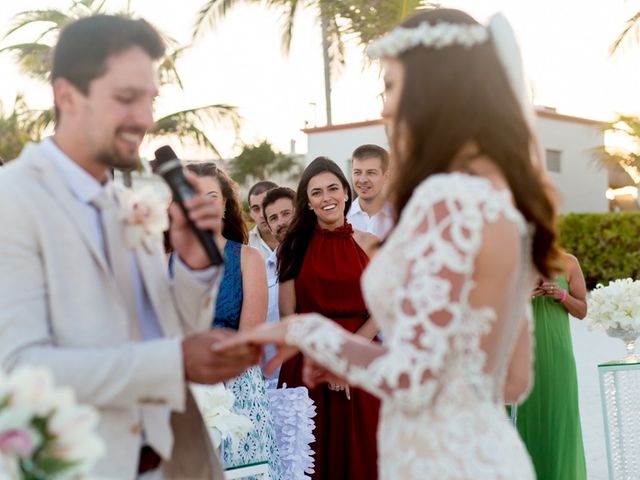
(615, 308)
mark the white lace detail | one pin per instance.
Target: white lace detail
(437, 36)
(441, 371)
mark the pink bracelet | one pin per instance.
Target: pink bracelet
(565, 294)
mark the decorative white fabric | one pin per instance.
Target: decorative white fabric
(293, 411)
(450, 302)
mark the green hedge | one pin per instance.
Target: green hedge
(606, 244)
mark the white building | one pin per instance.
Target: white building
(569, 145)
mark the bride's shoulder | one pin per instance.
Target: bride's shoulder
(455, 185)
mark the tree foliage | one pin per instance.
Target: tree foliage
(17, 127)
(262, 162)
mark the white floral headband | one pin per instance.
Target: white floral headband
(436, 36)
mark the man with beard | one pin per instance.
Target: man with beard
(78, 296)
(278, 208)
(370, 212)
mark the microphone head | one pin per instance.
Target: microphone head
(165, 154)
(166, 161)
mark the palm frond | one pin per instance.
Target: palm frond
(210, 14)
(630, 26)
(23, 19)
(189, 123)
(291, 8)
(34, 59)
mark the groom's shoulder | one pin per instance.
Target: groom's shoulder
(22, 171)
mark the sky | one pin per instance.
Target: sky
(564, 42)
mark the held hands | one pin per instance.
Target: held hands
(314, 374)
(272, 334)
(204, 365)
(205, 213)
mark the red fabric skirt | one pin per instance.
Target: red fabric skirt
(345, 446)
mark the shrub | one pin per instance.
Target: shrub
(606, 244)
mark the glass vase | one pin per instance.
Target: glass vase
(629, 337)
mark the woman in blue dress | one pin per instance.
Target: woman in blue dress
(241, 305)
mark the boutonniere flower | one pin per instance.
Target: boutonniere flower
(144, 213)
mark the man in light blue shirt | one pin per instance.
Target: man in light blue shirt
(278, 207)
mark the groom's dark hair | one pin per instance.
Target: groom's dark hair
(85, 45)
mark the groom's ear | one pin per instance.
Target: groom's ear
(66, 98)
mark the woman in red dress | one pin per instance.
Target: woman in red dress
(320, 263)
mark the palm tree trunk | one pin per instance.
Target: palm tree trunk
(324, 24)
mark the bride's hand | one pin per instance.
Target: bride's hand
(265, 334)
(314, 374)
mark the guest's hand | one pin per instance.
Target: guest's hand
(203, 365)
(206, 213)
(271, 334)
(552, 290)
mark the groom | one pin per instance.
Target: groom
(107, 320)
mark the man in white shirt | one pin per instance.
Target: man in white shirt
(103, 314)
(260, 236)
(370, 212)
(279, 208)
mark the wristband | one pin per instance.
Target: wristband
(565, 294)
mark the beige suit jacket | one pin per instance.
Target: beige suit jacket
(59, 308)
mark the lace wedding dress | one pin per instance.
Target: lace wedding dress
(450, 292)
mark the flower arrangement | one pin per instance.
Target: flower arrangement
(44, 434)
(615, 306)
(144, 213)
(216, 404)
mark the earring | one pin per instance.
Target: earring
(309, 206)
(223, 213)
(346, 198)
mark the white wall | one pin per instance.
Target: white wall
(338, 144)
(581, 183)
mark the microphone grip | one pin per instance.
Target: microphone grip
(182, 191)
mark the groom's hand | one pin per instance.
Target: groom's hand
(206, 214)
(203, 365)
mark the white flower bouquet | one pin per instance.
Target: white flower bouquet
(615, 306)
(216, 405)
(44, 434)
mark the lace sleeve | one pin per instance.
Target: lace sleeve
(426, 288)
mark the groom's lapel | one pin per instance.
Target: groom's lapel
(52, 182)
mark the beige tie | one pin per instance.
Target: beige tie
(155, 419)
(117, 255)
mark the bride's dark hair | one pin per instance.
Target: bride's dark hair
(456, 95)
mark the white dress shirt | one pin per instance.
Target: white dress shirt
(273, 312)
(255, 240)
(379, 224)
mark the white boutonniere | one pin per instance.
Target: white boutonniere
(144, 213)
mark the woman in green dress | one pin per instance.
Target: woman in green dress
(549, 420)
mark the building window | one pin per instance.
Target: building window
(554, 160)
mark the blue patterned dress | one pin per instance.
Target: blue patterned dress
(251, 398)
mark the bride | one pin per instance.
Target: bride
(450, 287)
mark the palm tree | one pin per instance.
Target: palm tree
(34, 60)
(628, 127)
(362, 20)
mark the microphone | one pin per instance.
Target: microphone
(170, 169)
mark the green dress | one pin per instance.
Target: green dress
(549, 420)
